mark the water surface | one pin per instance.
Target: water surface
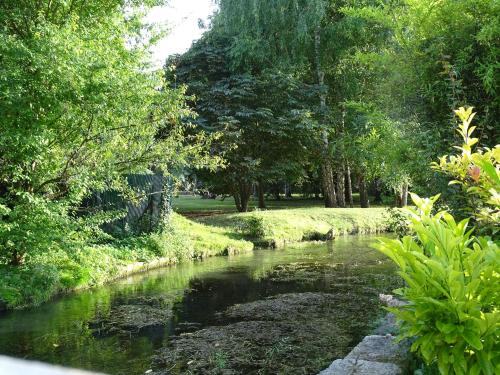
(60, 331)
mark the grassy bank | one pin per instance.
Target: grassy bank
(275, 228)
(57, 271)
(61, 270)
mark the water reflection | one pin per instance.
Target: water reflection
(59, 332)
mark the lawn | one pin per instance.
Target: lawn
(191, 205)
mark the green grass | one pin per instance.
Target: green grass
(187, 204)
(275, 228)
(208, 241)
(192, 205)
(57, 271)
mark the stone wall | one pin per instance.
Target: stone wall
(377, 354)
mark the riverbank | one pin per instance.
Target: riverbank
(318, 300)
(46, 275)
(277, 228)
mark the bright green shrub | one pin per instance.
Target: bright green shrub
(478, 173)
(453, 291)
(27, 285)
(33, 225)
(253, 227)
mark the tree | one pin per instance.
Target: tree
(80, 108)
(259, 116)
(285, 35)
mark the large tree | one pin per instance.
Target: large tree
(79, 109)
(259, 116)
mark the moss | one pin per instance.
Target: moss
(295, 333)
(276, 228)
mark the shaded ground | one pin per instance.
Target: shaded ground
(186, 204)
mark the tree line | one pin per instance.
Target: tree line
(338, 94)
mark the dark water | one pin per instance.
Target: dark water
(58, 332)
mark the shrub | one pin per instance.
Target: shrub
(32, 226)
(397, 222)
(478, 173)
(453, 290)
(252, 227)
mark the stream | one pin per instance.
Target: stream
(287, 311)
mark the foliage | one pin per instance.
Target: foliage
(478, 173)
(334, 123)
(452, 289)
(246, 108)
(398, 222)
(456, 45)
(253, 227)
(48, 273)
(79, 109)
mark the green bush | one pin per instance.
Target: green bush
(397, 222)
(252, 227)
(478, 173)
(27, 285)
(453, 290)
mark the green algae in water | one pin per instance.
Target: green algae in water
(285, 311)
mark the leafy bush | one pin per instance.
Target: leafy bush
(397, 222)
(252, 227)
(453, 290)
(478, 173)
(33, 225)
(27, 285)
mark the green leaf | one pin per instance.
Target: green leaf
(472, 339)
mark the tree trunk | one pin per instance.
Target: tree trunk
(329, 193)
(17, 259)
(397, 199)
(260, 193)
(341, 188)
(404, 195)
(377, 191)
(326, 168)
(245, 192)
(237, 200)
(363, 192)
(317, 192)
(348, 187)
